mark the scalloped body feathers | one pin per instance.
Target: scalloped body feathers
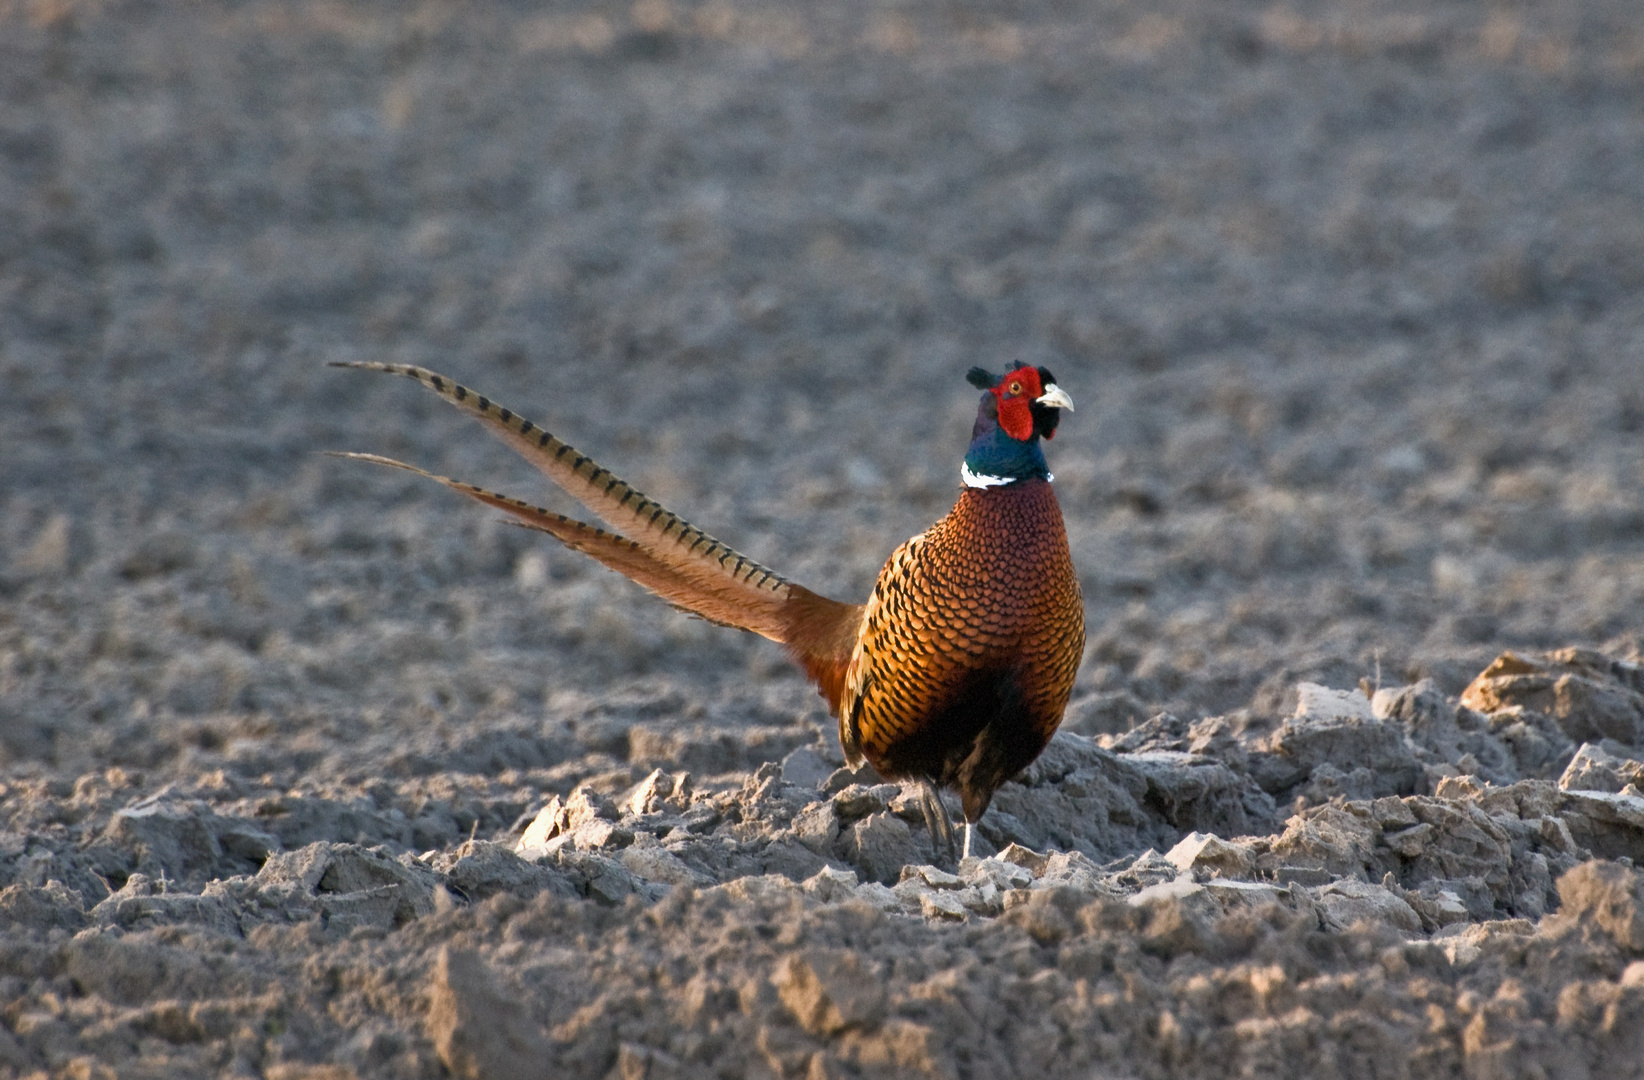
(967, 651)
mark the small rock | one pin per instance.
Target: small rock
(1307, 876)
(1609, 896)
(941, 905)
(1528, 800)
(878, 895)
(351, 868)
(930, 875)
(761, 889)
(701, 818)
(479, 1031)
(1344, 733)
(1230, 893)
(244, 843)
(859, 800)
(1196, 793)
(598, 834)
(829, 990)
(997, 872)
(1202, 850)
(1327, 782)
(1459, 787)
(603, 879)
(167, 837)
(548, 823)
(142, 903)
(1409, 842)
(1027, 859)
(1148, 868)
(43, 907)
(1314, 700)
(1331, 840)
(651, 861)
(1595, 769)
(1349, 900)
(984, 899)
(1072, 869)
(1538, 745)
(1589, 695)
(1437, 906)
(1392, 813)
(1080, 796)
(349, 885)
(1179, 889)
(300, 869)
(659, 792)
(1556, 834)
(909, 893)
(1467, 848)
(584, 806)
(881, 844)
(480, 869)
(830, 885)
(1421, 706)
(789, 859)
(1609, 824)
(817, 827)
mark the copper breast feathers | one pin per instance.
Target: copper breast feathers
(987, 592)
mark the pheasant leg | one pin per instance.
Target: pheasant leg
(937, 821)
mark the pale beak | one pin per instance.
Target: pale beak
(1055, 397)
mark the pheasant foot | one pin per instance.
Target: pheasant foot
(940, 824)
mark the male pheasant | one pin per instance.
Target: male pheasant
(956, 671)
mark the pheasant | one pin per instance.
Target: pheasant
(953, 675)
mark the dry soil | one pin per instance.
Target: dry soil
(314, 770)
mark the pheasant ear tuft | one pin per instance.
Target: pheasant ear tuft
(982, 379)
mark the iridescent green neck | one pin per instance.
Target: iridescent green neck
(995, 458)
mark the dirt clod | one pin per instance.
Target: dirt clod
(479, 1031)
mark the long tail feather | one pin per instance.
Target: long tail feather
(654, 547)
(621, 554)
(668, 537)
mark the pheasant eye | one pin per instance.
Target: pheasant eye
(1015, 388)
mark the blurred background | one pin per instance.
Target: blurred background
(1350, 297)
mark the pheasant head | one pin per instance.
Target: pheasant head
(1019, 408)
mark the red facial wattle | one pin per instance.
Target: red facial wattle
(1016, 393)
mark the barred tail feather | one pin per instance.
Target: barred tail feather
(668, 537)
(652, 546)
(621, 554)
